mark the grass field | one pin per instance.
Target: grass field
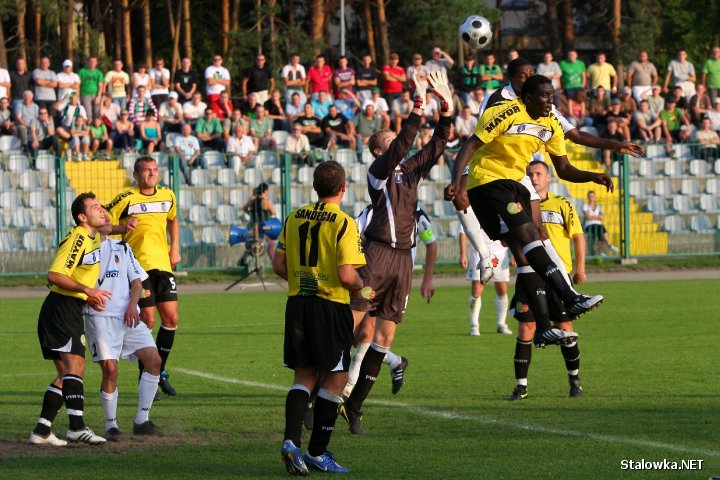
(649, 370)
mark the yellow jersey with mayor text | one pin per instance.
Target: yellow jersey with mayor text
(149, 239)
(511, 137)
(78, 257)
(562, 223)
(316, 240)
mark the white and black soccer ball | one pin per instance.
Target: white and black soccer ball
(476, 32)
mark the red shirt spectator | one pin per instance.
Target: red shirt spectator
(319, 76)
(393, 76)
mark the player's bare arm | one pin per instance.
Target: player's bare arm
(349, 278)
(580, 252)
(132, 317)
(279, 264)
(174, 227)
(462, 160)
(96, 297)
(567, 172)
(427, 289)
(592, 141)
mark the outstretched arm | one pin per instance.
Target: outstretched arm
(567, 172)
(592, 141)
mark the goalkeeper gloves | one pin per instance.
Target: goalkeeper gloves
(441, 90)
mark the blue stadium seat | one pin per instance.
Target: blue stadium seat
(701, 224)
(187, 238)
(8, 243)
(657, 205)
(674, 224)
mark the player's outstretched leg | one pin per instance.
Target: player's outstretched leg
(369, 370)
(354, 370)
(398, 365)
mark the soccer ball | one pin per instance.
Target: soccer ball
(476, 32)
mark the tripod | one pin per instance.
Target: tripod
(253, 249)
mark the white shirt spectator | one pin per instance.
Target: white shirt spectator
(140, 81)
(240, 146)
(72, 78)
(158, 76)
(300, 144)
(294, 73)
(70, 112)
(380, 105)
(216, 72)
(170, 113)
(194, 111)
(4, 78)
(44, 93)
(465, 126)
(187, 146)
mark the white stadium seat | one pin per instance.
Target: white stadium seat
(8, 243)
(186, 199)
(698, 168)
(227, 177)
(664, 188)
(213, 236)
(33, 241)
(200, 178)
(199, 215)
(657, 205)
(226, 215)
(690, 186)
(701, 224)
(683, 204)
(674, 224)
(708, 203)
(212, 198)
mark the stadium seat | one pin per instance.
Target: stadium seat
(657, 205)
(716, 168)
(9, 143)
(170, 139)
(213, 236)
(453, 228)
(701, 224)
(5, 181)
(638, 189)
(280, 137)
(440, 173)
(186, 199)
(275, 176)
(199, 215)
(8, 243)
(683, 204)
(187, 238)
(200, 178)
(366, 157)
(664, 188)
(10, 200)
(615, 169)
(226, 215)
(22, 218)
(654, 151)
(698, 168)
(647, 168)
(297, 197)
(45, 162)
(48, 217)
(33, 241)
(18, 163)
(708, 203)
(713, 186)
(238, 198)
(358, 173)
(682, 151)
(346, 157)
(305, 175)
(557, 188)
(214, 159)
(349, 198)
(427, 194)
(358, 208)
(265, 158)
(674, 224)
(128, 160)
(39, 199)
(29, 181)
(442, 209)
(162, 159)
(227, 177)
(252, 176)
(672, 168)
(591, 130)
(211, 198)
(690, 186)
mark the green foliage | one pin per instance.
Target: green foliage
(639, 30)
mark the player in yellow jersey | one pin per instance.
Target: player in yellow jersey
(318, 251)
(149, 212)
(506, 137)
(61, 328)
(562, 224)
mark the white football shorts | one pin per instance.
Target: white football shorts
(502, 271)
(109, 338)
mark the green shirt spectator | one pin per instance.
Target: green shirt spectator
(573, 72)
(209, 126)
(90, 79)
(711, 73)
(261, 127)
(490, 68)
(672, 118)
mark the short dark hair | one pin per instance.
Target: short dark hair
(540, 162)
(532, 84)
(328, 179)
(515, 66)
(144, 159)
(78, 205)
(374, 140)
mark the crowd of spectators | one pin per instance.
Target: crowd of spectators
(89, 114)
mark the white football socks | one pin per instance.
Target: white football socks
(392, 360)
(472, 229)
(146, 394)
(109, 403)
(474, 305)
(501, 305)
(354, 370)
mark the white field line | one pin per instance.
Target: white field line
(639, 442)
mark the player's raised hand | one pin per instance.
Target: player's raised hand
(604, 179)
(97, 297)
(441, 90)
(629, 148)
(420, 95)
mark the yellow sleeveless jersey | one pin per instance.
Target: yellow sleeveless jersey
(511, 137)
(562, 223)
(149, 239)
(78, 257)
(316, 240)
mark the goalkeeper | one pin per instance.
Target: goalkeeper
(390, 235)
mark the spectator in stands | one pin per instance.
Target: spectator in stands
(469, 78)
(475, 100)
(321, 104)
(347, 103)
(401, 108)
(295, 78)
(108, 111)
(295, 108)
(241, 144)
(249, 107)
(187, 147)
(675, 125)
(185, 81)
(711, 74)
(299, 146)
(682, 74)
(431, 114)
(656, 100)
(699, 105)
(259, 207)
(381, 106)
(339, 128)
(223, 108)
(42, 132)
(680, 101)
(708, 140)
(649, 125)
(159, 82)
(549, 68)
(574, 75)
(440, 61)
(490, 74)
(366, 78)
(79, 140)
(261, 127)
(598, 106)
(7, 122)
(577, 110)
(150, 133)
(124, 133)
(602, 74)
(140, 106)
(140, 78)
(20, 82)
(344, 76)
(194, 109)
(258, 79)
(117, 83)
(171, 114)
(424, 135)
(319, 77)
(67, 81)
(68, 114)
(311, 126)
(595, 231)
(394, 78)
(465, 124)
(99, 136)
(209, 131)
(5, 84)
(24, 115)
(45, 81)
(627, 103)
(229, 124)
(275, 111)
(366, 124)
(92, 86)
(217, 79)
(416, 68)
(641, 76)
(714, 115)
(617, 128)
